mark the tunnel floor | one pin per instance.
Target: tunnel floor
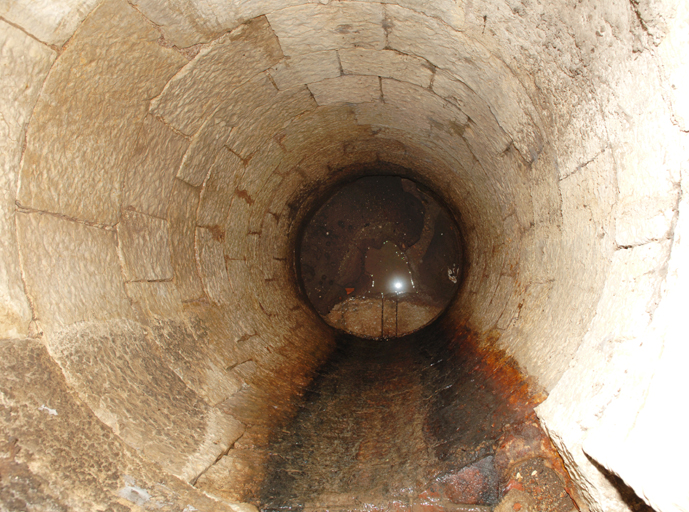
(416, 423)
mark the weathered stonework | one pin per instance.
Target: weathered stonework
(24, 64)
(157, 159)
(68, 167)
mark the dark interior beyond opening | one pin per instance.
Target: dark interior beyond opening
(381, 258)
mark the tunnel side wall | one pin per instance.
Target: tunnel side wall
(152, 195)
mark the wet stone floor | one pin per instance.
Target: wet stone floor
(420, 423)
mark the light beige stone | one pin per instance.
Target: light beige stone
(218, 128)
(449, 11)
(262, 118)
(346, 89)
(417, 102)
(205, 147)
(50, 21)
(318, 124)
(317, 27)
(388, 64)
(150, 173)
(24, 64)
(54, 252)
(201, 86)
(144, 247)
(642, 410)
(218, 190)
(157, 298)
(189, 22)
(212, 265)
(193, 357)
(675, 64)
(184, 203)
(237, 225)
(469, 102)
(100, 468)
(119, 372)
(85, 125)
(297, 70)
(393, 116)
(415, 34)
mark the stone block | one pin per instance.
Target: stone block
(212, 265)
(202, 86)
(191, 354)
(386, 64)
(672, 51)
(415, 34)
(203, 150)
(57, 455)
(184, 203)
(158, 298)
(449, 11)
(119, 372)
(237, 225)
(152, 169)
(215, 132)
(261, 118)
(317, 27)
(85, 125)
(50, 21)
(325, 123)
(390, 115)
(218, 190)
(24, 64)
(632, 286)
(72, 271)
(144, 247)
(346, 89)
(646, 219)
(469, 102)
(417, 102)
(307, 68)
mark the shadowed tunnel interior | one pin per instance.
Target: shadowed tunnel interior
(159, 162)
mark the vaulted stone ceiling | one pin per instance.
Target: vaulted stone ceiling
(158, 158)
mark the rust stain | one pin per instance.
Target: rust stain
(243, 194)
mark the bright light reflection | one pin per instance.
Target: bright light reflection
(397, 285)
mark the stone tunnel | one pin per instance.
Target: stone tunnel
(160, 158)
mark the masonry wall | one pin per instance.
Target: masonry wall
(157, 158)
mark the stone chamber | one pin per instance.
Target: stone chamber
(158, 159)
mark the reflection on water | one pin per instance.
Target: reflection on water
(388, 269)
(381, 258)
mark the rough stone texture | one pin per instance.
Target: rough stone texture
(156, 158)
(305, 69)
(24, 64)
(184, 202)
(46, 466)
(50, 21)
(217, 192)
(317, 27)
(212, 265)
(144, 247)
(198, 89)
(453, 51)
(346, 89)
(557, 134)
(69, 167)
(388, 64)
(117, 371)
(55, 251)
(158, 298)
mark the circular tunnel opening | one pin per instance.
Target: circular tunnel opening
(381, 257)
